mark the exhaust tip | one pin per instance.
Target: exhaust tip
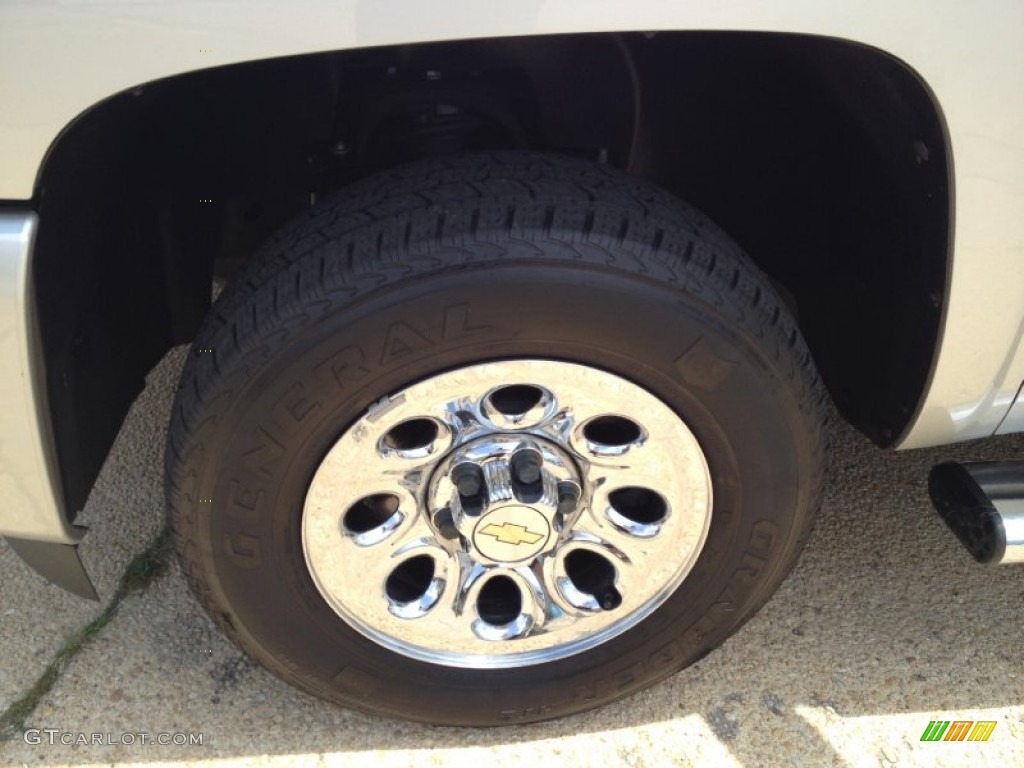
(968, 511)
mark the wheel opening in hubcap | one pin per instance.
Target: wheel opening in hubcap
(612, 432)
(371, 512)
(506, 514)
(410, 580)
(411, 435)
(500, 601)
(641, 505)
(594, 575)
(516, 399)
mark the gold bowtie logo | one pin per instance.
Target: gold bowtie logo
(511, 533)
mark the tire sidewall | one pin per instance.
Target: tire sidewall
(279, 413)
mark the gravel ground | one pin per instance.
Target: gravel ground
(885, 624)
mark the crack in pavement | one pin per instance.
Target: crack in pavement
(142, 571)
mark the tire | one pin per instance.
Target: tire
(580, 331)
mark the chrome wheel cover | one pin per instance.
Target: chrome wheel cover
(506, 514)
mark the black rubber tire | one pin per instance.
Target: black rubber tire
(455, 261)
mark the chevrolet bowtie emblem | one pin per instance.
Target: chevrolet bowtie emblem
(511, 533)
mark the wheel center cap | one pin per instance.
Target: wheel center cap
(511, 533)
(505, 496)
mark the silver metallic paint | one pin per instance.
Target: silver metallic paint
(29, 506)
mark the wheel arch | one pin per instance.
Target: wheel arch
(838, 185)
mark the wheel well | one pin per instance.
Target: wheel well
(825, 159)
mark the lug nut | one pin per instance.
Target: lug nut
(468, 479)
(444, 524)
(568, 497)
(526, 466)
